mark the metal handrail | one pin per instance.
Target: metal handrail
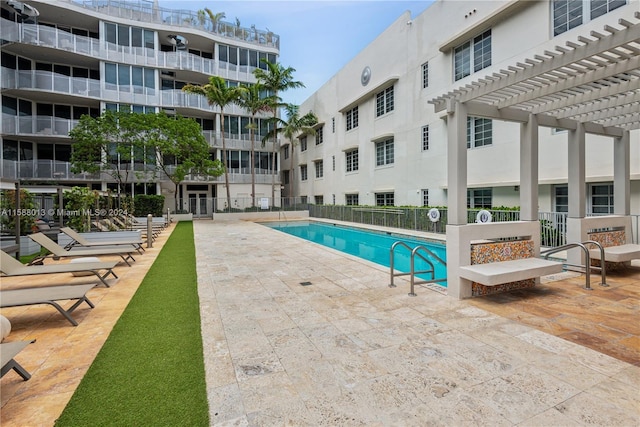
(586, 267)
(412, 273)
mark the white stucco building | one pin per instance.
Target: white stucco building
(380, 141)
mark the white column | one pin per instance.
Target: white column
(577, 190)
(622, 175)
(457, 165)
(529, 169)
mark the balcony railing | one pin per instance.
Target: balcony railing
(37, 125)
(40, 35)
(50, 82)
(144, 11)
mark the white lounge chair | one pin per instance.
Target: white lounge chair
(58, 251)
(80, 240)
(48, 295)
(11, 267)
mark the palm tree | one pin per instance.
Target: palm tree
(276, 79)
(219, 94)
(293, 128)
(252, 101)
(215, 18)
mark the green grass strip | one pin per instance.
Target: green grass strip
(150, 371)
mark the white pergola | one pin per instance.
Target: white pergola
(588, 86)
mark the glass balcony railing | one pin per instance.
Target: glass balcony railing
(42, 169)
(147, 11)
(37, 125)
(50, 82)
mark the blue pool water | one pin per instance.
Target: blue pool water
(370, 245)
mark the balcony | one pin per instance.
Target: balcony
(37, 125)
(144, 11)
(42, 169)
(49, 82)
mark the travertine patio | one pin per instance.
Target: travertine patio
(348, 350)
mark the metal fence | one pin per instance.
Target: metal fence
(553, 225)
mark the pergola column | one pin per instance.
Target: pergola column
(529, 169)
(577, 191)
(622, 175)
(457, 164)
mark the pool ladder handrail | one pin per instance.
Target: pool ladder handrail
(412, 272)
(587, 267)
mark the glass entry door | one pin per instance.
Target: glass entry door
(198, 204)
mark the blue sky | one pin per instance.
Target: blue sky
(317, 37)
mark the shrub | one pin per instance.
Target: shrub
(148, 204)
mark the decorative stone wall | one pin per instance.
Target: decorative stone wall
(607, 239)
(482, 253)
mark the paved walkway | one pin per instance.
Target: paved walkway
(347, 350)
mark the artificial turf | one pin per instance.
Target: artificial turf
(150, 371)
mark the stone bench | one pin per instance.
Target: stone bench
(497, 273)
(621, 253)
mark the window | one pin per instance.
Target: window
(385, 199)
(479, 198)
(384, 101)
(425, 197)
(351, 160)
(333, 164)
(561, 198)
(285, 177)
(319, 168)
(425, 138)
(286, 152)
(479, 132)
(303, 173)
(425, 75)
(319, 200)
(601, 198)
(333, 125)
(472, 56)
(384, 152)
(319, 136)
(351, 199)
(568, 14)
(303, 143)
(352, 118)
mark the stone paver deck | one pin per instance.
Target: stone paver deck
(348, 350)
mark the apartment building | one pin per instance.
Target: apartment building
(380, 141)
(63, 59)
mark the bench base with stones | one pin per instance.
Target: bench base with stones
(497, 273)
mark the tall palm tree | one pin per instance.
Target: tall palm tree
(220, 95)
(276, 79)
(252, 100)
(215, 18)
(293, 128)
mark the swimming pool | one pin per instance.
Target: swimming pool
(367, 244)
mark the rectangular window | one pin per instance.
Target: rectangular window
(351, 160)
(425, 138)
(333, 164)
(561, 198)
(352, 118)
(333, 125)
(601, 198)
(110, 32)
(385, 199)
(351, 199)
(285, 177)
(568, 14)
(425, 75)
(286, 152)
(319, 164)
(384, 101)
(600, 7)
(303, 173)
(384, 152)
(425, 197)
(479, 198)
(319, 136)
(319, 200)
(472, 56)
(479, 132)
(303, 143)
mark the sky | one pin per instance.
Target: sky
(317, 37)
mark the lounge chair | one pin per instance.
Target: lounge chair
(59, 252)
(11, 267)
(48, 295)
(80, 240)
(9, 350)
